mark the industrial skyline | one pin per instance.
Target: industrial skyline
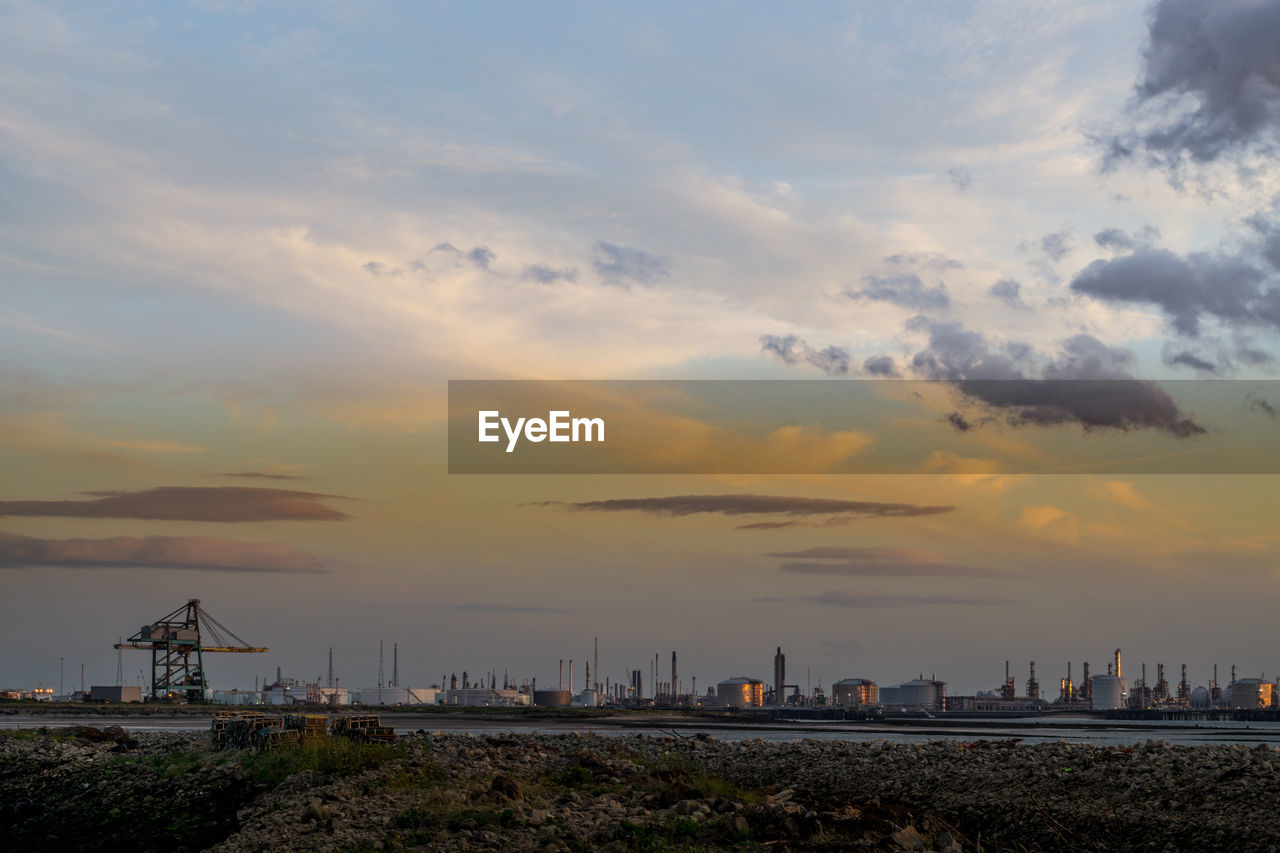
(245, 247)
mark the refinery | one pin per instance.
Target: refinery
(179, 642)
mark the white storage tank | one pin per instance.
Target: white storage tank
(1109, 692)
(740, 692)
(852, 692)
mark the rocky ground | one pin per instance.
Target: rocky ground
(94, 789)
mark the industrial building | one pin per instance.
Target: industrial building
(739, 692)
(855, 693)
(924, 694)
(400, 696)
(115, 693)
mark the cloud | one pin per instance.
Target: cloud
(1125, 494)
(875, 562)
(157, 446)
(1056, 246)
(546, 275)
(1260, 405)
(381, 270)
(1116, 240)
(749, 504)
(790, 350)
(188, 503)
(616, 264)
(880, 365)
(870, 599)
(1040, 517)
(1210, 82)
(481, 256)
(505, 608)
(960, 177)
(1087, 383)
(155, 552)
(259, 475)
(1186, 288)
(1186, 358)
(1007, 291)
(905, 289)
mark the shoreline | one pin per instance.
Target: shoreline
(568, 791)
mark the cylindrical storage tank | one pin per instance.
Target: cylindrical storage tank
(552, 698)
(1200, 698)
(741, 692)
(919, 694)
(852, 692)
(1250, 694)
(1108, 692)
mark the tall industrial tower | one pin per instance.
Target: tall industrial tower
(779, 677)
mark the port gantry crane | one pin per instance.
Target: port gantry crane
(174, 640)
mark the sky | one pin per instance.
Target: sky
(245, 246)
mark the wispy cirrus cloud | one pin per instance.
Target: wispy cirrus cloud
(187, 503)
(207, 553)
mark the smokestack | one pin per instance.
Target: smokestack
(674, 689)
(570, 675)
(779, 677)
(596, 664)
(561, 687)
(1119, 674)
(586, 682)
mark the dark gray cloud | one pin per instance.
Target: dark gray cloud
(378, 268)
(1116, 240)
(906, 289)
(547, 275)
(481, 256)
(188, 503)
(1210, 84)
(1057, 246)
(960, 177)
(868, 599)
(880, 365)
(958, 422)
(749, 504)
(1187, 289)
(790, 350)
(1186, 358)
(1261, 405)
(505, 608)
(1087, 383)
(875, 562)
(154, 552)
(617, 264)
(258, 475)
(1007, 291)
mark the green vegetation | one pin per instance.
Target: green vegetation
(324, 757)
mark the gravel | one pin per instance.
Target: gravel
(85, 789)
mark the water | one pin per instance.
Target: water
(1088, 730)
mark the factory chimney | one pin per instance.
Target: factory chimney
(586, 682)
(1033, 686)
(779, 676)
(674, 689)
(561, 687)
(1119, 674)
(596, 665)
(570, 675)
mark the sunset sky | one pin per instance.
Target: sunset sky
(245, 246)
